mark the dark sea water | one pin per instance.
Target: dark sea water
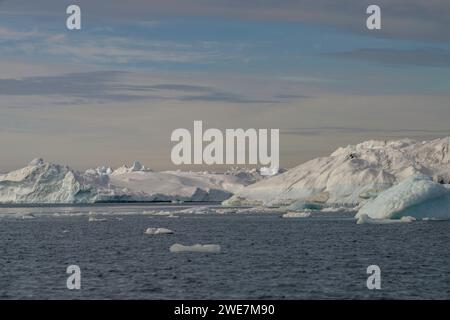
(263, 256)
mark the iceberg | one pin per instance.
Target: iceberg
(41, 182)
(350, 176)
(418, 196)
(204, 248)
(44, 183)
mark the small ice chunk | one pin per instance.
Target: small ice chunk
(293, 214)
(27, 216)
(94, 219)
(365, 219)
(226, 211)
(198, 210)
(155, 231)
(205, 248)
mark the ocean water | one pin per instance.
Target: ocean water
(263, 256)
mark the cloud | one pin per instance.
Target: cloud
(292, 96)
(396, 57)
(315, 131)
(181, 87)
(114, 86)
(95, 48)
(8, 34)
(224, 97)
(405, 19)
(83, 85)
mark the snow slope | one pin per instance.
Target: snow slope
(41, 182)
(352, 175)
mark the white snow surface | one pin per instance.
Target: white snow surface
(44, 183)
(351, 175)
(417, 197)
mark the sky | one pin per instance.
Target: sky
(114, 91)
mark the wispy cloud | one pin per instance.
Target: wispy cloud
(225, 97)
(395, 57)
(292, 96)
(405, 19)
(115, 86)
(315, 131)
(97, 48)
(9, 34)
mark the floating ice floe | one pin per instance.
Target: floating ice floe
(27, 216)
(226, 211)
(417, 196)
(365, 219)
(94, 219)
(156, 231)
(197, 210)
(205, 248)
(293, 214)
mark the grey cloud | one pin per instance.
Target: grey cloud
(406, 19)
(101, 86)
(73, 84)
(292, 96)
(315, 131)
(111, 86)
(182, 87)
(395, 57)
(224, 97)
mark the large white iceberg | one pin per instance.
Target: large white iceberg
(41, 182)
(44, 183)
(417, 197)
(352, 175)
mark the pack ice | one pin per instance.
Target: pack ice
(352, 175)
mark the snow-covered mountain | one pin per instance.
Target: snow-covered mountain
(41, 182)
(352, 175)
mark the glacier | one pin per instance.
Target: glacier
(350, 176)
